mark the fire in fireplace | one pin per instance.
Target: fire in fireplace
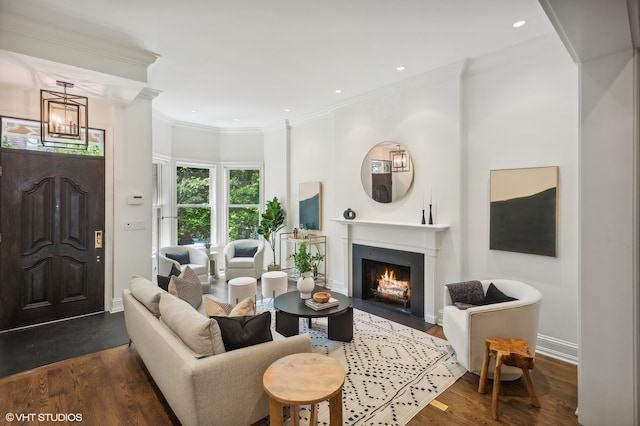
(388, 282)
(392, 278)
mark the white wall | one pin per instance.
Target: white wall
(521, 110)
(276, 176)
(516, 108)
(162, 134)
(197, 144)
(609, 290)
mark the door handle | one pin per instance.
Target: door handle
(98, 240)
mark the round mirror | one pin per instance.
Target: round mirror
(387, 172)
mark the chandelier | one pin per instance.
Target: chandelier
(400, 160)
(63, 118)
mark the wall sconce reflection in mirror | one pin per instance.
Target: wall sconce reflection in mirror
(400, 160)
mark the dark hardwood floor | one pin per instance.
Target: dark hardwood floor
(113, 387)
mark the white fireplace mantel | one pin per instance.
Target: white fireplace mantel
(411, 237)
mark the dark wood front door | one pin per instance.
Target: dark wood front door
(51, 262)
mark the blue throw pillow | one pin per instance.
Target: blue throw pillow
(245, 251)
(181, 258)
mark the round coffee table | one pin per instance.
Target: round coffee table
(290, 308)
(301, 379)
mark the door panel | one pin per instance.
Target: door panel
(51, 206)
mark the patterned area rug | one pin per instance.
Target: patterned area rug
(392, 371)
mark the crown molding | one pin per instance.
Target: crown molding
(148, 93)
(322, 113)
(202, 127)
(29, 28)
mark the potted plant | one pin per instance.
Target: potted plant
(272, 221)
(302, 260)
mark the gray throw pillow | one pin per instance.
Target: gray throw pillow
(187, 287)
(467, 292)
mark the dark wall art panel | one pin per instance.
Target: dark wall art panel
(524, 210)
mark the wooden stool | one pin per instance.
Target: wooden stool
(302, 379)
(513, 352)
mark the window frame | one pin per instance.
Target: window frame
(226, 169)
(213, 190)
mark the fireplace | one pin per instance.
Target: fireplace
(393, 278)
(387, 282)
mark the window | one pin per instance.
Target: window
(194, 201)
(243, 201)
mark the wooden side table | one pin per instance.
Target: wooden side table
(513, 352)
(302, 379)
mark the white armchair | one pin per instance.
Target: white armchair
(198, 262)
(238, 263)
(467, 329)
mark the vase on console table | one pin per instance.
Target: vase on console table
(305, 285)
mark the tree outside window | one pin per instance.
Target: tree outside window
(193, 199)
(244, 203)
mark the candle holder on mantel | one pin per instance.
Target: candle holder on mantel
(424, 222)
(430, 216)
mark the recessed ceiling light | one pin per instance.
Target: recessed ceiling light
(287, 110)
(194, 110)
(338, 90)
(519, 24)
(400, 68)
(236, 119)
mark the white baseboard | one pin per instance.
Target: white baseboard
(556, 348)
(116, 305)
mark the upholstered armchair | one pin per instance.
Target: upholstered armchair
(183, 256)
(243, 258)
(466, 329)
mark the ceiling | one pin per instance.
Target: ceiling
(242, 63)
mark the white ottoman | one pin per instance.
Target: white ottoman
(242, 287)
(273, 283)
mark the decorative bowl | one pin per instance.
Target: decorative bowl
(321, 297)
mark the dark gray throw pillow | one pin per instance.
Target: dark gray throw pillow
(496, 296)
(467, 292)
(163, 282)
(181, 258)
(240, 332)
(245, 251)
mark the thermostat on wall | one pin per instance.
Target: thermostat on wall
(134, 199)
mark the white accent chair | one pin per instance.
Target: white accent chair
(198, 262)
(467, 329)
(243, 266)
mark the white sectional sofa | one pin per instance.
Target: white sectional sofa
(221, 389)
